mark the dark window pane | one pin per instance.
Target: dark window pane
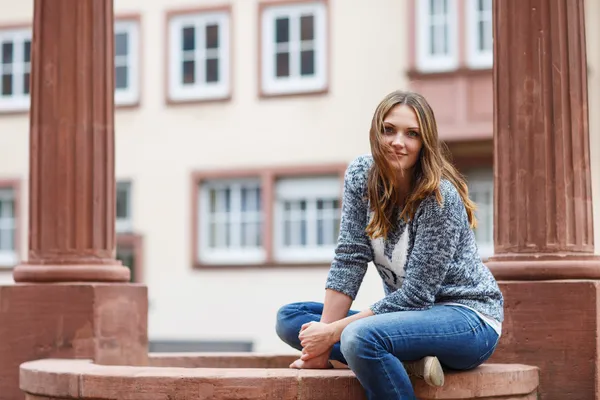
(446, 42)
(122, 201)
(26, 83)
(227, 192)
(283, 64)
(303, 230)
(7, 86)
(27, 51)
(287, 233)
(189, 72)
(7, 239)
(320, 233)
(121, 44)
(307, 27)
(189, 38)
(212, 70)
(7, 53)
(307, 62)
(282, 30)
(432, 46)
(212, 36)
(212, 235)
(121, 77)
(212, 200)
(481, 39)
(228, 234)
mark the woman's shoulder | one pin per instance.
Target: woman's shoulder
(451, 198)
(358, 171)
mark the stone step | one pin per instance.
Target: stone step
(248, 376)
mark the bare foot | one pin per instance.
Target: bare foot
(313, 363)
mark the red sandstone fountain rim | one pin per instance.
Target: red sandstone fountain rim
(82, 379)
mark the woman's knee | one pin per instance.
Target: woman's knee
(286, 325)
(359, 338)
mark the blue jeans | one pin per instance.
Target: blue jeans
(374, 347)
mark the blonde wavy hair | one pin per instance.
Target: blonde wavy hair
(431, 166)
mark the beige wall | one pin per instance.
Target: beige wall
(158, 147)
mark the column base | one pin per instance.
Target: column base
(542, 267)
(555, 326)
(71, 273)
(104, 322)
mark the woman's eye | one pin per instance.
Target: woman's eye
(413, 133)
(388, 129)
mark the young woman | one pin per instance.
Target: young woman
(406, 209)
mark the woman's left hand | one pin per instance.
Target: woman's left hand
(316, 338)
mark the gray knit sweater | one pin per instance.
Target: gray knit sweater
(432, 259)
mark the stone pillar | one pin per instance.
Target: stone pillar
(544, 245)
(72, 180)
(72, 298)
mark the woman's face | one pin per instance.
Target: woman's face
(402, 134)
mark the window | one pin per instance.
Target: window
(8, 251)
(199, 56)
(481, 191)
(307, 218)
(231, 222)
(124, 222)
(126, 255)
(480, 35)
(294, 48)
(437, 47)
(126, 62)
(15, 69)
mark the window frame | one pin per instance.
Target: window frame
(481, 180)
(426, 62)
(132, 26)
(294, 84)
(124, 225)
(298, 188)
(267, 178)
(200, 91)
(476, 58)
(21, 101)
(8, 259)
(207, 255)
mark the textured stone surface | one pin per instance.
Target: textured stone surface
(105, 322)
(159, 383)
(554, 325)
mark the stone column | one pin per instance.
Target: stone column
(543, 194)
(73, 299)
(72, 180)
(544, 246)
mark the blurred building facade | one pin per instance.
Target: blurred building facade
(235, 121)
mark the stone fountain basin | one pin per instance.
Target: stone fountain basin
(220, 376)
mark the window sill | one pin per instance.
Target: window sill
(416, 74)
(177, 102)
(318, 92)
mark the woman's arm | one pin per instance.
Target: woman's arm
(315, 337)
(335, 307)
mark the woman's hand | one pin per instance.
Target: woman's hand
(316, 338)
(318, 362)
